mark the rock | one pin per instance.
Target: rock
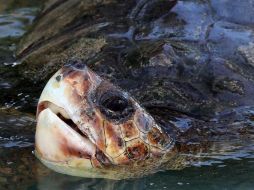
(224, 38)
(230, 85)
(6, 171)
(248, 53)
(56, 55)
(238, 11)
(63, 16)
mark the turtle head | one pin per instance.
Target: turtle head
(85, 124)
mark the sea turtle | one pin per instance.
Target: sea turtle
(88, 127)
(191, 70)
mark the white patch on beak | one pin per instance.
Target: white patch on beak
(55, 92)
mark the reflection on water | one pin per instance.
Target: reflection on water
(19, 169)
(13, 24)
(15, 18)
(191, 178)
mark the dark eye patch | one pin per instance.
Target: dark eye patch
(115, 106)
(115, 103)
(112, 103)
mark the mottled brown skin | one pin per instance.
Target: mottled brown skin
(129, 131)
(137, 150)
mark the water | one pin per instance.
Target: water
(19, 169)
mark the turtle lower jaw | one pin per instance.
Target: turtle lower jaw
(58, 142)
(65, 150)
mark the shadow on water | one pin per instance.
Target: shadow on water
(230, 168)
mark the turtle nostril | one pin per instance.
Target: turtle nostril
(115, 104)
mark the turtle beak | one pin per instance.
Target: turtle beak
(57, 137)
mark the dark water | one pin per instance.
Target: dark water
(19, 168)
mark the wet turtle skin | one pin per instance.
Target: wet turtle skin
(188, 61)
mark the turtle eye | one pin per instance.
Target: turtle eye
(115, 106)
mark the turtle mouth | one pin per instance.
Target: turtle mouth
(59, 138)
(62, 115)
(72, 125)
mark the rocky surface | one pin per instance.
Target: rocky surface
(193, 57)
